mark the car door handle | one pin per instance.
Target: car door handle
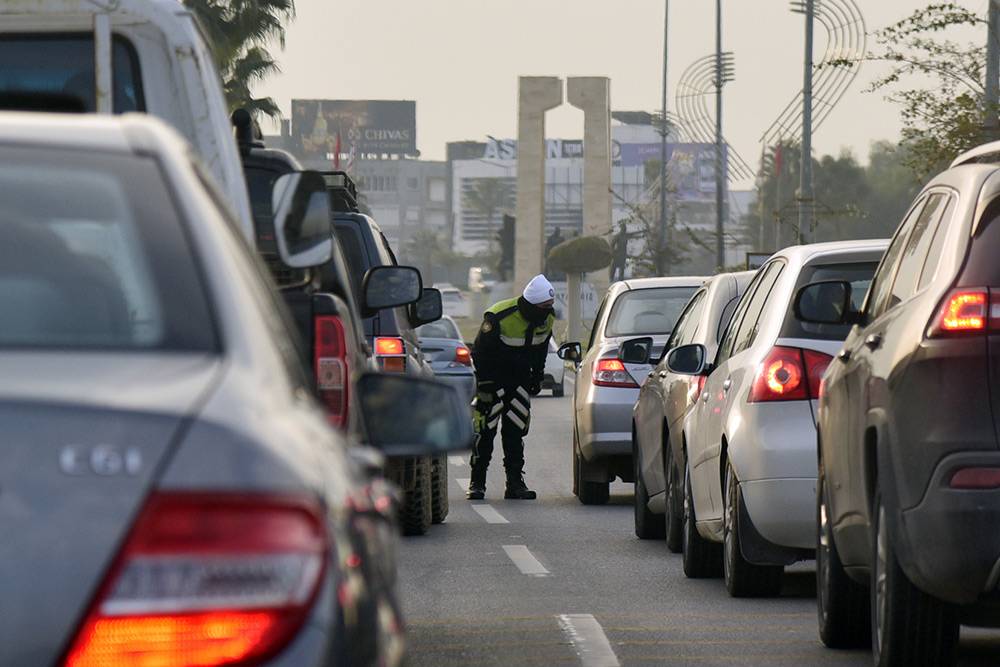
(844, 355)
(704, 397)
(663, 374)
(727, 384)
(874, 341)
(649, 374)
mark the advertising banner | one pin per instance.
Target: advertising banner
(322, 128)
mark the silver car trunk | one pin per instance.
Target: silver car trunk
(84, 436)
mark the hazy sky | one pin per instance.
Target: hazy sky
(460, 59)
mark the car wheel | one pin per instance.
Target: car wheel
(673, 519)
(909, 627)
(439, 489)
(743, 578)
(648, 526)
(576, 467)
(702, 559)
(558, 390)
(842, 603)
(415, 517)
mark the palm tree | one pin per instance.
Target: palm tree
(486, 197)
(239, 31)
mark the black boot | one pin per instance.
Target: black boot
(477, 485)
(517, 489)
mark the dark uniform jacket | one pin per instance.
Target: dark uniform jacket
(513, 342)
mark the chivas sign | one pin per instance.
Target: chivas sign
(322, 128)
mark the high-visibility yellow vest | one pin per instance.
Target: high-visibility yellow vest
(514, 327)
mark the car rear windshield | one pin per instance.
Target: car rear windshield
(62, 65)
(859, 274)
(94, 256)
(647, 311)
(439, 329)
(354, 254)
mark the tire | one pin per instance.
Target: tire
(415, 515)
(743, 579)
(673, 519)
(648, 526)
(702, 559)
(843, 608)
(576, 467)
(909, 627)
(439, 490)
(558, 390)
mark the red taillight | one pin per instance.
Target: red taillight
(976, 478)
(789, 374)
(463, 355)
(612, 373)
(964, 311)
(207, 579)
(391, 354)
(330, 366)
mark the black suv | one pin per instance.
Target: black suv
(391, 334)
(908, 492)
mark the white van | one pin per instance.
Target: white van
(119, 56)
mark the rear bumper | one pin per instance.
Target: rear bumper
(604, 424)
(949, 543)
(783, 510)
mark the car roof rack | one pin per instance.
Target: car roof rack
(985, 154)
(343, 191)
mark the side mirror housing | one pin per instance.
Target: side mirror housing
(636, 350)
(390, 287)
(570, 352)
(408, 416)
(826, 302)
(687, 360)
(302, 225)
(428, 309)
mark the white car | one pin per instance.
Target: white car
(750, 474)
(555, 371)
(453, 302)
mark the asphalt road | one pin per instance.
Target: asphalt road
(551, 582)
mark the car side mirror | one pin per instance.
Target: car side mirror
(409, 416)
(428, 309)
(570, 352)
(687, 360)
(302, 226)
(390, 287)
(636, 351)
(827, 302)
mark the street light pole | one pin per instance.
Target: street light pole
(720, 176)
(805, 172)
(663, 134)
(991, 124)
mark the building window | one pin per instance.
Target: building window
(412, 183)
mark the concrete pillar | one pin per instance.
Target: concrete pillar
(536, 95)
(592, 94)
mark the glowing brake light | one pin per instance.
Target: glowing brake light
(789, 374)
(388, 346)
(391, 354)
(463, 355)
(965, 310)
(612, 373)
(207, 579)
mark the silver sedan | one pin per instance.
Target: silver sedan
(606, 388)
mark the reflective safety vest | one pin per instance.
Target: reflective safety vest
(515, 330)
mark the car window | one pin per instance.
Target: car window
(726, 344)
(915, 252)
(880, 292)
(929, 269)
(440, 329)
(352, 246)
(687, 324)
(63, 65)
(750, 323)
(859, 274)
(724, 319)
(597, 322)
(260, 185)
(94, 256)
(651, 310)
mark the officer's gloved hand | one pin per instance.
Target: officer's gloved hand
(534, 387)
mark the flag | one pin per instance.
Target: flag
(336, 154)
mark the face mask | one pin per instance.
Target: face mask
(534, 314)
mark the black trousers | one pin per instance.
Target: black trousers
(506, 409)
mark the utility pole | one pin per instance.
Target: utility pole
(991, 124)
(720, 175)
(805, 172)
(663, 133)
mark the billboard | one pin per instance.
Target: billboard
(356, 126)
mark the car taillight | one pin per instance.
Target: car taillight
(612, 373)
(330, 366)
(789, 374)
(207, 579)
(391, 354)
(463, 355)
(966, 311)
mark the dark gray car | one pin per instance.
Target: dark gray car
(442, 346)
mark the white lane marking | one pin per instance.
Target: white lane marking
(463, 483)
(456, 460)
(489, 513)
(588, 639)
(525, 561)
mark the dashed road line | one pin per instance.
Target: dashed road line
(457, 461)
(525, 561)
(588, 639)
(489, 513)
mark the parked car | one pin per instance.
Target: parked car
(749, 444)
(442, 345)
(665, 399)
(455, 303)
(555, 371)
(391, 333)
(908, 463)
(173, 489)
(125, 56)
(605, 388)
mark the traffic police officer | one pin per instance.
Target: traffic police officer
(509, 354)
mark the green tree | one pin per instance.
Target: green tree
(487, 197)
(240, 32)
